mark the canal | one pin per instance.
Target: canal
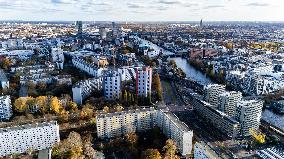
(190, 71)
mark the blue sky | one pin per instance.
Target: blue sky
(143, 10)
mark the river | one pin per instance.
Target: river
(190, 71)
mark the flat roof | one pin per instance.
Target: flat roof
(27, 126)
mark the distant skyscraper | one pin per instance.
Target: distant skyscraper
(79, 25)
(201, 23)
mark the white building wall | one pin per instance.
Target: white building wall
(5, 108)
(19, 139)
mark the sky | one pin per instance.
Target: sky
(142, 10)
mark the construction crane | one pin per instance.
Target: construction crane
(257, 135)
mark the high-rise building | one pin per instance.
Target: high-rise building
(143, 81)
(116, 124)
(112, 85)
(5, 108)
(19, 139)
(204, 151)
(201, 23)
(228, 102)
(212, 92)
(103, 32)
(79, 25)
(248, 114)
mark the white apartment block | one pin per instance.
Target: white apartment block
(112, 85)
(90, 69)
(5, 108)
(176, 130)
(143, 81)
(248, 114)
(228, 102)
(83, 89)
(127, 73)
(4, 82)
(57, 57)
(13, 44)
(204, 151)
(19, 139)
(212, 92)
(116, 124)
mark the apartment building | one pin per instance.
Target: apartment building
(90, 69)
(248, 114)
(4, 82)
(112, 85)
(228, 102)
(143, 81)
(5, 108)
(276, 152)
(204, 151)
(83, 89)
(218, 119)
(176, 130)
(116, 124)
(19, 139)
(212, 92)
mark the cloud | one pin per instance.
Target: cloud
(190, 4)
(169, 2)
(258, 4)
(213, 6)
(135, 5)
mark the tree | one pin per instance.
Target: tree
(106, 109)
(170, 150)
(20, 104)
(131, 138)
(158, 86)
(72, 106)
(42, 103)
(55, 105)
(152, 154)
(118, 108)
(41, 86)
(86, 113)
(6, 63)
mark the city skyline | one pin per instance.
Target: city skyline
(138, 10)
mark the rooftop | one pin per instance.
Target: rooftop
(3, 76)
(27, 126)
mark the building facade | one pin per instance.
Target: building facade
(4, 82)
(228, 102)
(19, 139)
(5, 108)
(248, 114)
(212, 92)
(220, 120)
(143, 81)
(112, 85)
(83, 89)
(204, 151)
(119, 123)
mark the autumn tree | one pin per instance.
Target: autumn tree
(41, 86)
(6, 63)
(131, 139)
(42, 103)
(170, 150)
(151, 154)
(106, 109)
(55, 105)
(87, 112)
(118, 108)
(20, 104)
(158, 86)
(72, 106)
